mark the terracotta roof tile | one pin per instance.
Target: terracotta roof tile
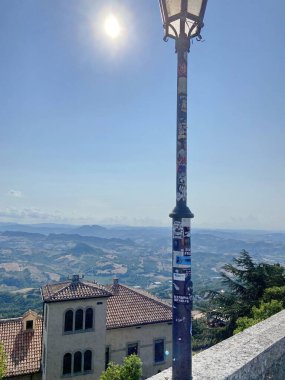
(130, 307)
(23, 348)
(72, 290)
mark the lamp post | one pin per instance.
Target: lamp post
(182, 20)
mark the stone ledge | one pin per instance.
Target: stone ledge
(257, 353)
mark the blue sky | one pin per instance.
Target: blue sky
(87, 124)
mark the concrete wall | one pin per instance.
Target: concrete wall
(145, 335)
(56, 343)
(258, 353)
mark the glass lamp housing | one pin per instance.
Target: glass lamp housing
(182, 17)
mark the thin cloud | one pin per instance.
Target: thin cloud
(15, 193)
(29, 214)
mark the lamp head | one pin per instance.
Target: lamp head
(182, 17)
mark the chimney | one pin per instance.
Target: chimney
(115, 287)
(75, 278)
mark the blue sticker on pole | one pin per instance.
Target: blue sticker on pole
(182, 261)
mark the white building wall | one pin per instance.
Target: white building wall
(57, 342)
(118, 340)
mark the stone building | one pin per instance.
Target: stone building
(86, 325)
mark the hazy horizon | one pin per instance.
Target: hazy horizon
(67, 225)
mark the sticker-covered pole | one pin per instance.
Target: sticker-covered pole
(181, 232)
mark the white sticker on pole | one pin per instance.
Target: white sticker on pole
(179, 276)
(186, 222)
(177, 230)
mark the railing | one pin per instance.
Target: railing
(257, 353)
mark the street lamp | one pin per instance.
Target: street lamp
(182, 20)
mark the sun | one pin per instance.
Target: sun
(112, 27)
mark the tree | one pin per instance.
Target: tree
(113, 372)
(2, 362)
(130, 370)
(203, 336)
(246, 282)
(275, 293)
(264, 311)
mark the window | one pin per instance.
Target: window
(132, 349)
(29, 325)
(107, 357)
(68, 321)
(79, 319)
(66, 368)
(159, 351)
(87, 360)
(77, 364)
(89, 318)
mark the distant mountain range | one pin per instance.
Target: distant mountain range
(85, 230)
(32, 255)
(48, 228)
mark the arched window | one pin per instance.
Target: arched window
(79, 319)
(68, 321)
(77, 364)
(87, 360)
(89, 318)
(66, 367)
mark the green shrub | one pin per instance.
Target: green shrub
(130, 370)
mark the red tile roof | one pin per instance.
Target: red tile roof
(132, 307)
(23, 348)
(72, 290)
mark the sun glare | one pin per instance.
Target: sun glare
(112, 27)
